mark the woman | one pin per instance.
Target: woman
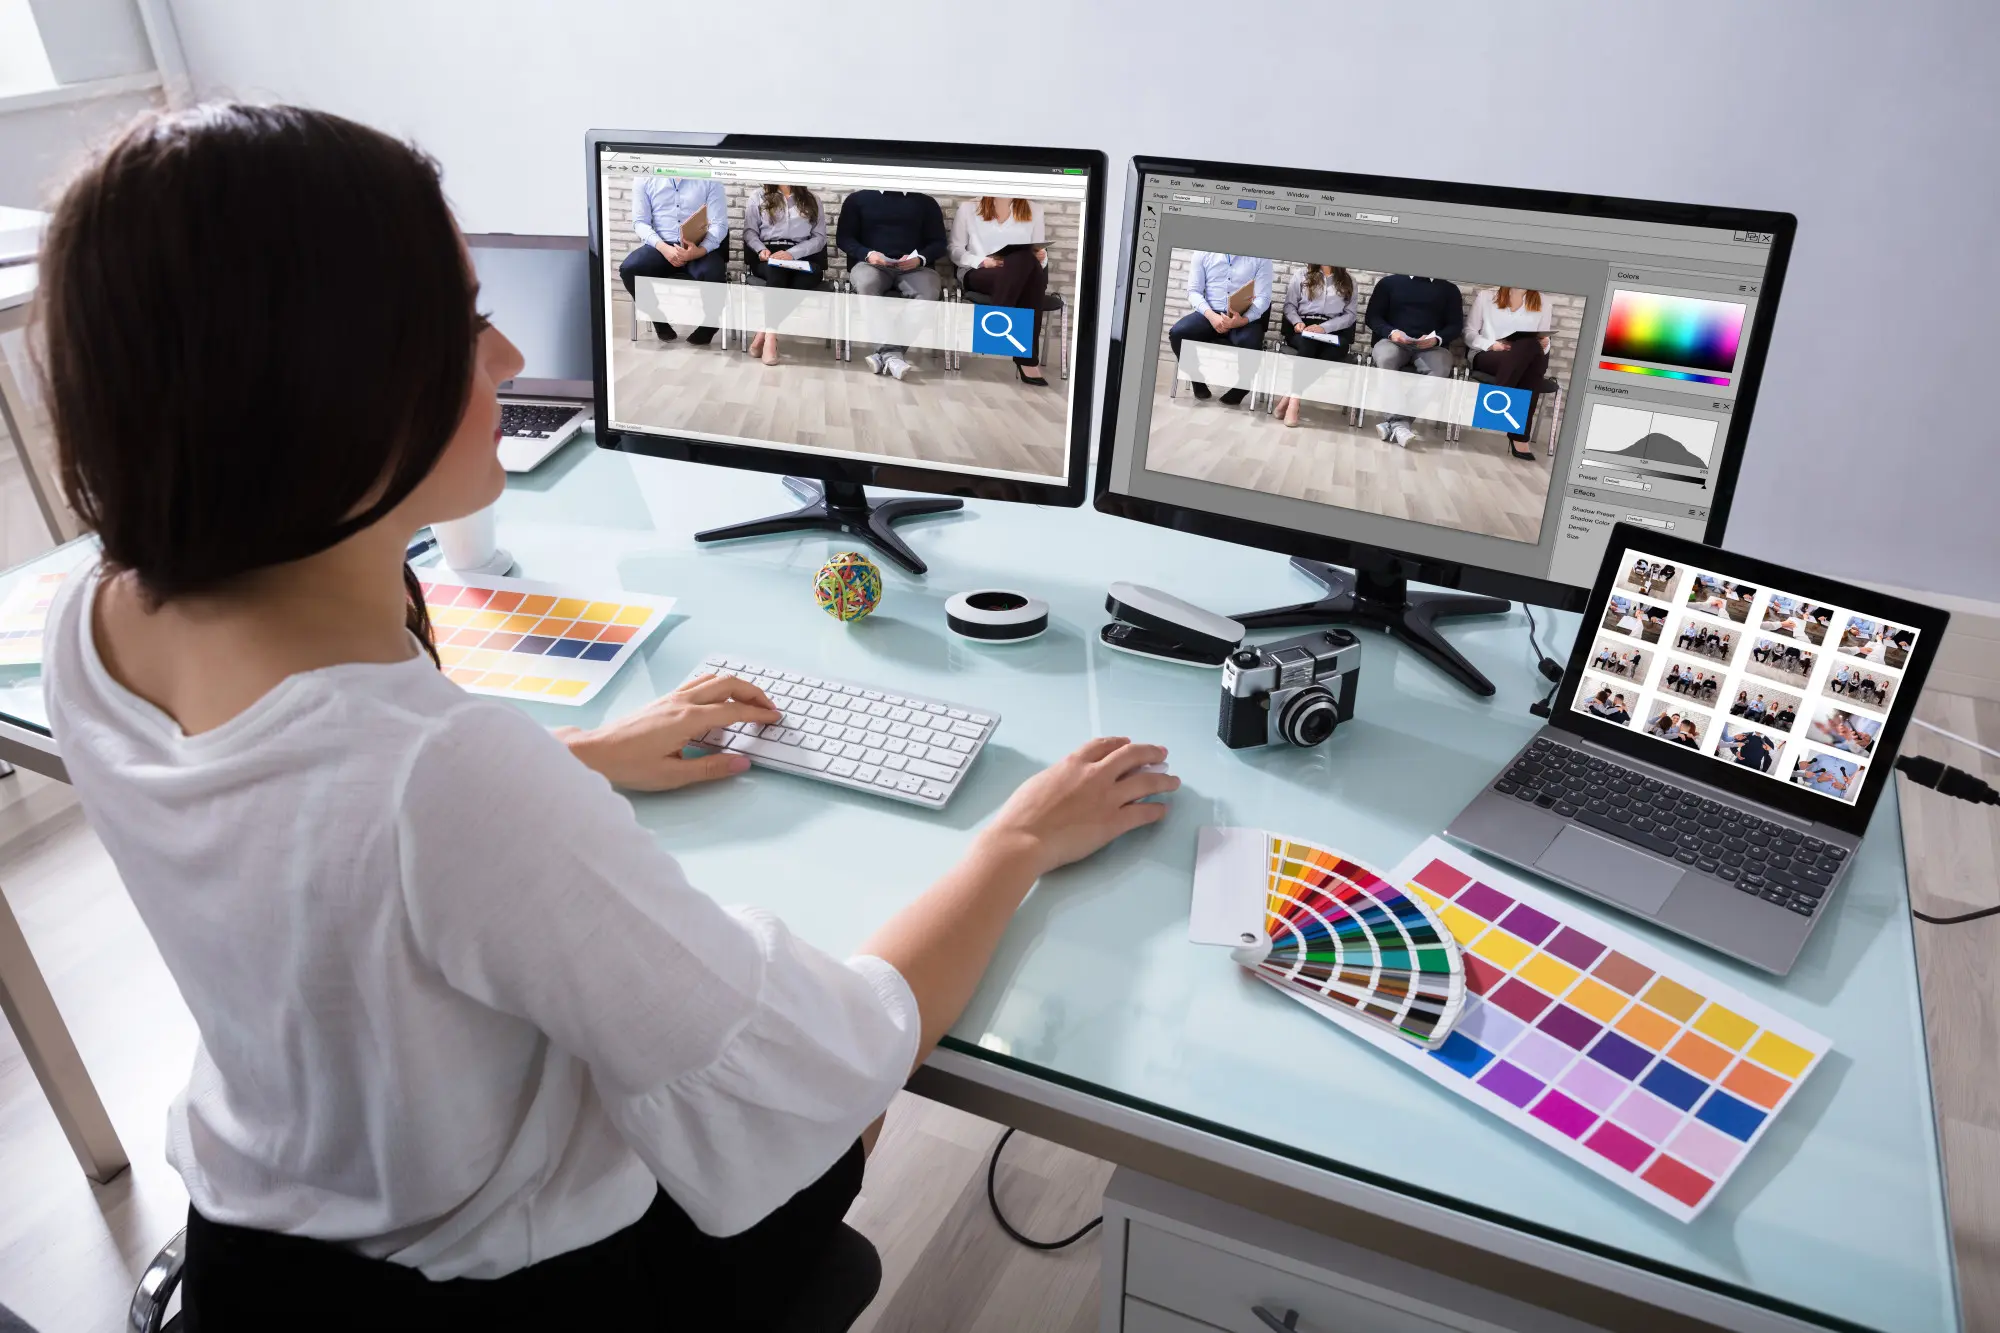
(784, 224)
(1507, 341)
(1742, 704)
(1318, 300)
(1001, 249)
(473, 1051)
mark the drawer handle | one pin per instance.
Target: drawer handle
(1288, 1324)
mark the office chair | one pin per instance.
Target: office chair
(839, 1288)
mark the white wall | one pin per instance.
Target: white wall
(1874, 450)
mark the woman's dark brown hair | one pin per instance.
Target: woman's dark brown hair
(773, 200)
(1343, 281)
(257, 338)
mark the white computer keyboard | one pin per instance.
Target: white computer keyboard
(879, 741)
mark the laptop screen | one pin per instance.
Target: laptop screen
(1747, 672)
(536, 290)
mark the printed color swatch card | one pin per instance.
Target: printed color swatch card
(22, 616)
(1653, 1075)
(523, 640)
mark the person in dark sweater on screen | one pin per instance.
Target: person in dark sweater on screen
(891, 238)
(1414, 321)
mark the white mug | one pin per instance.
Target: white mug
(471, 545)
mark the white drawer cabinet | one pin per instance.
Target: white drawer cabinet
(1178, 1262)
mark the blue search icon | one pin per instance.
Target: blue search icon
(997, 330)
(1502, 408)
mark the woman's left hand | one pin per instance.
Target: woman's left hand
(643, 750)
(779, 254)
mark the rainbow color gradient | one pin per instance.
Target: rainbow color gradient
(1663, 374)
(1673, 330)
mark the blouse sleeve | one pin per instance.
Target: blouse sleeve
(753, 225)
(815, 240)
(1038, 227)
(738, 1061)
(1294, 291)
(1476, 336)
(964, 251)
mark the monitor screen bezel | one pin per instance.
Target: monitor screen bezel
(1782, 795)
(1411, 560)
(895, 474)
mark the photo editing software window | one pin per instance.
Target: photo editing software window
(1515, 381)
(873, 311)
(1758, 677)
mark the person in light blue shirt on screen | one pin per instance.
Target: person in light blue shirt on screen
(660, 205)
(1214, 279)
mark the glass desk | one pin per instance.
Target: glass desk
(1097, 999)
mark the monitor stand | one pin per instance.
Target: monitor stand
(842, 506)
(1380, 598)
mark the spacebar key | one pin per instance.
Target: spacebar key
(759, 748)
(1605, 824)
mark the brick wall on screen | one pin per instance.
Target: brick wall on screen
(1063, 221)
(1566, 310)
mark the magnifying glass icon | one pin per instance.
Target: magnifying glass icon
(1004, 332)
(1505, 410)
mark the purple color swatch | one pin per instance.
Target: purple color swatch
(1647, 1116)
(1621, 1056)
(1575, 947)
(1490, 1026)
(1530, 925)
(1593, 1083)
(1511, 1084)
(1486, 901)
(1569, 1027)
(1520, 999)
(1700, 1146)
(1540, 1056)
(1564, 1115)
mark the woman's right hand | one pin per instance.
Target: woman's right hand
(990, 262)
(1080, 803)
(764, 255)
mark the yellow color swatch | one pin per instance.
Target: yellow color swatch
(461, 676)
(496, 680)
(633, 615)
(1597, 999)
(1670, 997)
(481, 659)
(1774, 1052)
(449, 615)
(1463, 925)
(568, 689)
(1726, 1026)
(488, 619)
(1501, 949)
(1548, 973)
(567, 608)
(1425, 896)
(599, 611)
(1643, 1025)
(532, 684)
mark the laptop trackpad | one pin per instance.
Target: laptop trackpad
(1625, 875)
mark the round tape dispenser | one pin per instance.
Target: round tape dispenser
(996, 615)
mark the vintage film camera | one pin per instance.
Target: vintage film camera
(1295, 690)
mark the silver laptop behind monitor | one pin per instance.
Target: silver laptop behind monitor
(537, 291)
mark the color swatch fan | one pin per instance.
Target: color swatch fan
(1332, 933)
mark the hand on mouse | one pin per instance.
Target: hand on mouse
(642, 750)
(1081, 802)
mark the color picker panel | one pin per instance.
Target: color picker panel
(506, 638)
(1673, 330)
(1648, 1073)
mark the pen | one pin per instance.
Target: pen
(419, 546)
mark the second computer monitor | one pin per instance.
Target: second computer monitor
(1468, 383)
(853, 312)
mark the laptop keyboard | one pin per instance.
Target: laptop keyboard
(534, 420)
(1778, 864)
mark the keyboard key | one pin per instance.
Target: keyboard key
(878, 725)
(933, 793)
(899, 728)
(1803, 906)
(786, 754)
(877, 710)
(871, 694)
(812, 743)
(980, 718)
(935, 708)
(893, 744)
(852, 734)
(895, 762)
(925, 768)
(1504, 787)
(874, 756)
(961, 744)
(886, 779)
(842, 768)
(867, 772)
(899, 715)
(949, 758)
(852, 751)
(910, 785)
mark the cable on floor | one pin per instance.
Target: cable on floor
(993, 1202)
(1954, 736)
(1943, 778)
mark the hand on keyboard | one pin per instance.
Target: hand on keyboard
(1082, 802)
(643, 751)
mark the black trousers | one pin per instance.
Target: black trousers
(1019, 281)
(786, 277)
(659, 1273)
(1524, 365)
(1319, 351)
(646, 262)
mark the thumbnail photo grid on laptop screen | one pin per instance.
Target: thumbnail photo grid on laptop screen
(1758, 677)
(1395, 383)
(845, 309)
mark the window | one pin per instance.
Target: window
(24, 61)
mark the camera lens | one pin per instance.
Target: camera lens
(1308, 717)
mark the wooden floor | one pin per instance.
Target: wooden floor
(977, 416)
(1473, 485)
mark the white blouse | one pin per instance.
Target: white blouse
(973, 238)
(1489, 323)
(457, 1009)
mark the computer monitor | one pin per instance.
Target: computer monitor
(536, 289)
(1483, 380)
(930, 310)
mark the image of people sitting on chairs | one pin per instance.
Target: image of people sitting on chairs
(1692, 680)
(1828, 774)
(1378, 377)
(1712, 596)
(1671, 721)
(1711, 641)
(1877, 642)
(1615, 656)
(1650, 578)
(1861, 685)
(1767, 707)
(1845, 731)
(1777, 660)
(836, 309)
(1751, 748)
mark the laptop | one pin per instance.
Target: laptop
(1717, 744)
(536, 289)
